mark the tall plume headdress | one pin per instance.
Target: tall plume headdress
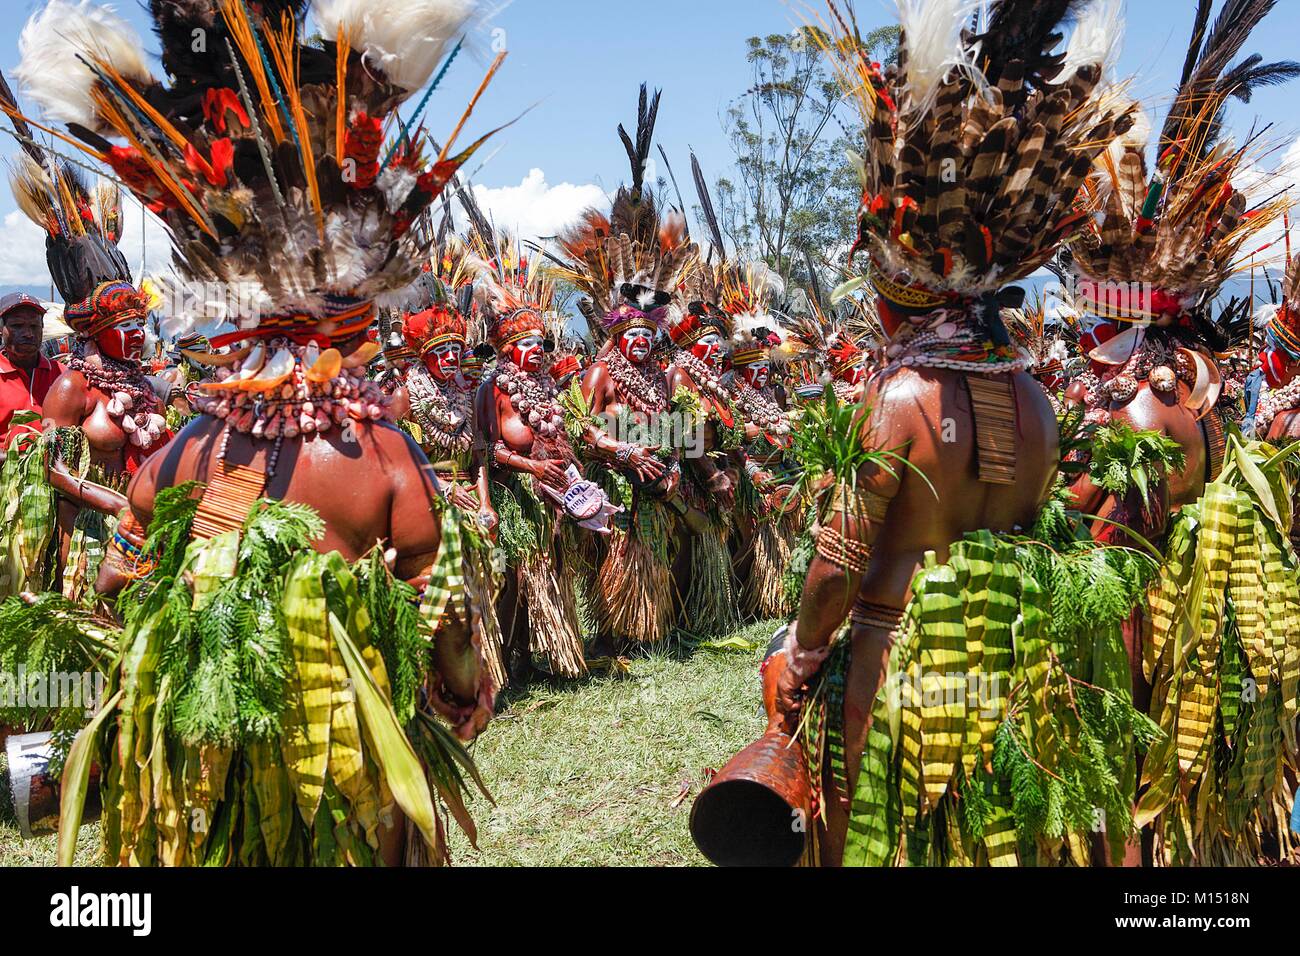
(748, 294)
(445, 308)
(265, 154)
(978, 146)
(83, 227)
(515, 292)
(628, 264)
(1184, 229)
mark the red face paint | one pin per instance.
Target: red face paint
(528, 353)
(756, 376)
(635, 344)
(123, 342)
(708, 349)
(444, 361)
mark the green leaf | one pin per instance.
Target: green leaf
(390, 746)
(76, 781)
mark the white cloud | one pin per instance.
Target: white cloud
(22, 247)
(535, 209)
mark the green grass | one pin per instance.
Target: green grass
(588, 773)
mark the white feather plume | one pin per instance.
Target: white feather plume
(50, 72)
(932, 32)
(405, 38)
(1097, 37)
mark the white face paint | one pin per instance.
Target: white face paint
(635, 343)
(708, 349)
(527, 353)
(757, 375)
(444, 360)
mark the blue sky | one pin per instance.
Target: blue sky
(581, 61)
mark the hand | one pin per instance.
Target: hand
(671, 482)
(551, 472)
(488, 521)
(721, 487)
(463, 498)
(647, 467)
(798, 666)
(790, 688)
(762, 480)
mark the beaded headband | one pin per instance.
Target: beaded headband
(112, 303)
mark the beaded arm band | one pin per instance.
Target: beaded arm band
(128, 549)
(870, 614)
(852, 556)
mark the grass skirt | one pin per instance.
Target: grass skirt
(265, 709)
(1223, 659)
(532, 543)
(1005, 720)
(632, 595)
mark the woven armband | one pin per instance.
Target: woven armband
(852, 556)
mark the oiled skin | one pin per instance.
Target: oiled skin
(909, 408)
(377, 490)
(498, 421)
(73, 403)
(1150, 410)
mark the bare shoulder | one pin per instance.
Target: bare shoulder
(65, 402)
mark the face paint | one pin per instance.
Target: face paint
(527, 353)
(443, 362)
(123, 342)
(635, 344)
(708, 349)
(756, 376)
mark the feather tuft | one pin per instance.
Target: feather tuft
(50, 71)
(932, 35)
(406, 39)
(1097, 38)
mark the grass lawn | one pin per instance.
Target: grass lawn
(588, 773)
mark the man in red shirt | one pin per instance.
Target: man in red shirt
(25, 374)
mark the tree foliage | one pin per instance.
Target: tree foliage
(792, 197)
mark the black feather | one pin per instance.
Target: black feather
(706, 206)
(1203, 8)
(638, 153)
(479, 223)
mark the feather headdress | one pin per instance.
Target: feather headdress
(1182, 231)
(818, 340)
(749, 290)
(265, 155)
(629, 263)
(1281, 355)
(978, 146)
(82, 229)
(445, 309)
(516, 293)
